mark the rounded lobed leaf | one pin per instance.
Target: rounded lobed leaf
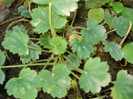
(44, 40)
(96, 76)
(128, 13)
(75, 60)
(16, 29)
(96, 14)
(114, 50)
(17, 43)
(128, 52)
(41, 20)
(121, 25)
(56, 83)
(33, 53)
(95, 3)
(23, 87)
(24, 12)
(2, 61)
(62, 8)
(123, 86)
(45, 80)
(60, 69)
(94, 32)
(118, 7)
(65, 7)
(108, 19)
(41, 1)
(2, 58)
(2, 77)
(83, 48)
(58, 44)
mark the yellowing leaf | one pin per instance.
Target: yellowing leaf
(75, 36)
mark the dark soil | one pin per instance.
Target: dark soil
(73, 93)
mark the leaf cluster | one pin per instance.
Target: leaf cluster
(68, 55)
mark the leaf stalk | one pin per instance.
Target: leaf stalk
(37, 64)
(50, 20)
(76, 68)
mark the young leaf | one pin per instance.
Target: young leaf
(96, 14)
(94, 32)
(114, 50)
(108, 19)
(128, 52)
(24, 86)
(75, 60)
(44, 40)
(56, 83)
(96, 76)
(118, 7)
(121, 25)
(2, 77)
(62, 8)
(58, 44)
(17, 43)
(128, 13)
(123, 86)
(33, 53)
(41, 19)
(95, 3)
(24, 12)
(83, 48)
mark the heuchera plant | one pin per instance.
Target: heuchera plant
(68, 55)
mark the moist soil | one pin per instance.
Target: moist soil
(76, 93)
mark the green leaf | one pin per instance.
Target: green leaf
(33, 54)
(17, 43)
(2, 61)
(118, 7)
(111, 2)
(58, 44)
(2, 77)
(41, 1)
(41, 20)
(24, 12)
(62, 8)
(24, 86)
(44, 40)
(123, 86)
(9, 1)
(108, 19)
(16, 29)
(128, 52)
(96, 14)
(96, 76)
(75, 60)
(95, 3)
(45, 80)
(83, 48)
(114, 50)
(121, 25)
(128, 13)
(2, 58)
(94, 32)
(56, 83)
